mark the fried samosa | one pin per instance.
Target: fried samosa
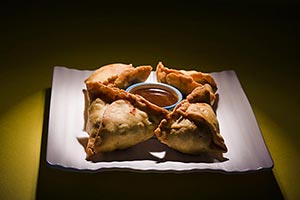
(191, 128)
(120, 75)
(117, 119)
(185, 81)
(202, 94)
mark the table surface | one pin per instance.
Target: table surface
(259, 41)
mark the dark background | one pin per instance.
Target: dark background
(259, 40)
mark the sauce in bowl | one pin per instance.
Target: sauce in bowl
(160, 94)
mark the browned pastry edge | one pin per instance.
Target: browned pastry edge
(218, 140)
(107, 71)
(203, 94)
(131, 76)
(110, 94)
(120, 75)
(198, 118)
(184, 80)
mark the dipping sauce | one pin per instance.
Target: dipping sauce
(157, 96)
(161, 94)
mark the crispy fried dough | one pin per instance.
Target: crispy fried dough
(110, 94)
(202, 94)
(191, 128)
(120, 126)
(201, 77)
(185, 81)
(120, 75)
(105, 72)
(117, 119)
(131, 76)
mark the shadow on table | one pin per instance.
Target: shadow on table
(60, 183)
(148, 150)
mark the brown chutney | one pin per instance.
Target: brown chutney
(160, 94)
(157, 96)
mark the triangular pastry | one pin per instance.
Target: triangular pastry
(117, 119)
(191, 128)
(120, 75)
(185, 81)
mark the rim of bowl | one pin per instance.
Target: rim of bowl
(178, 93)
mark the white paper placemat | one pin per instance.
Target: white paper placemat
(65, 145)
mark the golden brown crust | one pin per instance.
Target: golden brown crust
(118, 125)
(202, 94)
(185, 81)
(118, 120)
(191, 128)
(111, 94)
(202, 78)
(120, 75)
(103, 73)
(138, 74)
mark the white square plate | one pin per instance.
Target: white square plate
(66, 138)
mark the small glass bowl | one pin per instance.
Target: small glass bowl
(159, 90)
